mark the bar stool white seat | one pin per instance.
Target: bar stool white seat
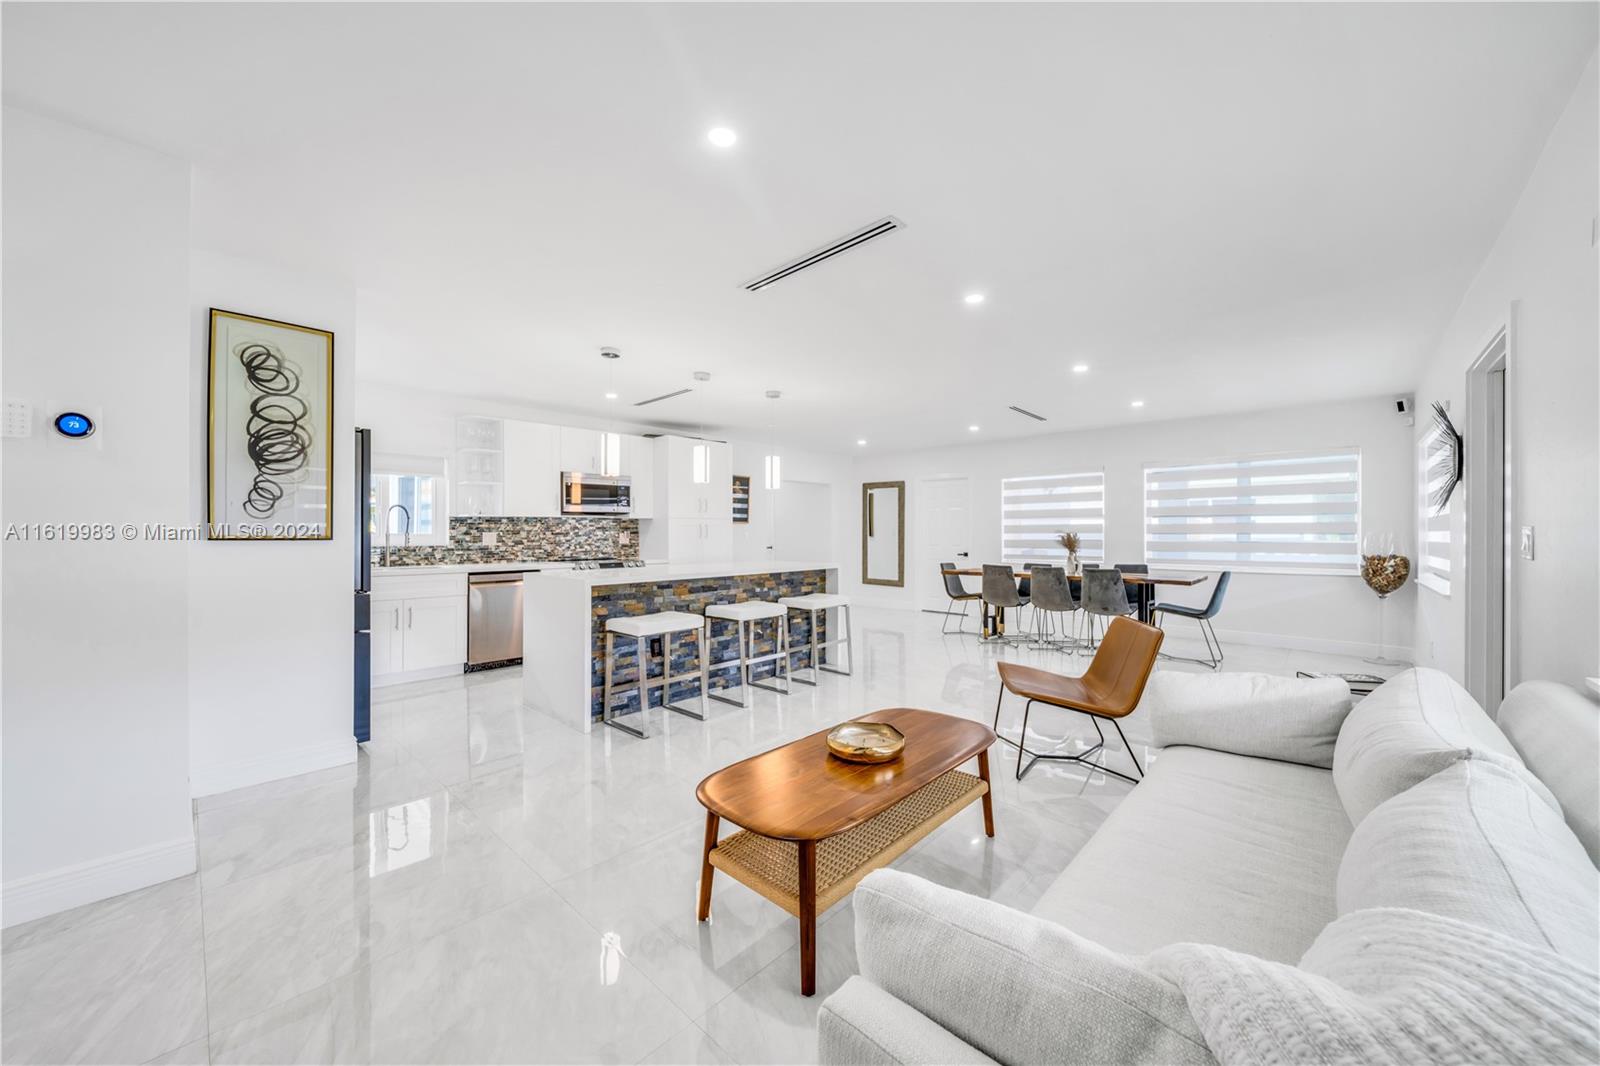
(821, 602)
(641, 628)
(746, 614)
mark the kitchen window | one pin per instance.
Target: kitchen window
(1293, 514)
(1035, 511)
(421, 487)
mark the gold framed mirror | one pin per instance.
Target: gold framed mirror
(883, 533)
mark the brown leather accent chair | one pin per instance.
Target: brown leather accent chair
(1109, 689)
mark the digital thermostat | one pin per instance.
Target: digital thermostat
(74, 425)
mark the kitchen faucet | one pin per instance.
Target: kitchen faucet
(387, 529)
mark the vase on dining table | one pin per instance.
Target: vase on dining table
(1074, 568)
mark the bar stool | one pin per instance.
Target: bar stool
(816, 602)
(746, 615)
(641, 628)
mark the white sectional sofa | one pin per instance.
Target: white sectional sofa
(1295, 880)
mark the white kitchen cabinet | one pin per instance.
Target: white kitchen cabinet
(419, 626)
(435, 629)
(639, 464)
(698, 515)
(532, 469)
(581, 450)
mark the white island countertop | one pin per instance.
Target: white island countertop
(662, 572)
(469, 568)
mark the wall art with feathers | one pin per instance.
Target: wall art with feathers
(1444, 459)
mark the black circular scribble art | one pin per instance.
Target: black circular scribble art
(278, 432)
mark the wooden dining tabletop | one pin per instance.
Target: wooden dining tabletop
(1184, 580)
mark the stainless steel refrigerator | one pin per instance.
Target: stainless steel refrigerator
(363, 539)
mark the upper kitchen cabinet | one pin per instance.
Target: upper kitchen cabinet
(639, 463)
(695, 477)
(583, 451)
(533, 469)
(479, 468)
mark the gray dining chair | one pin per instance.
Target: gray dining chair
(999, 593)
(1051, 595)
(958, 594)
(1202, 615)
(1133, 591)
(1104, 598)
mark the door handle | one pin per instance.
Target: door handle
(397, 618)
(961, 555)
(408, 618)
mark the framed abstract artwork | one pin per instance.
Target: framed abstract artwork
(269, 451)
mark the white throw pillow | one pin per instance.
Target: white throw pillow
(1556, 730)
(1475, 843)
(1391, 987)
(1291, 719)
(1411, 727)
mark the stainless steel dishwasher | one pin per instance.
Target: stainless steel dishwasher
(494, 617)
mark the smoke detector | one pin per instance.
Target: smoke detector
(702, 375)
(610, 353)
(774, 394)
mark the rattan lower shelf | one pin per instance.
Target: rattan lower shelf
(771, 867)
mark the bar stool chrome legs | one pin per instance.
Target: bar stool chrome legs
(817, 603)
(746, 615)
(642, 629)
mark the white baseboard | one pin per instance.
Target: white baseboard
(54, 891)
(407, 676)
(209, 779)
(1358, 648)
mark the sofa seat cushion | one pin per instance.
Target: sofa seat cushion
(1214, 848)
(1473, 842)
(1411, 727)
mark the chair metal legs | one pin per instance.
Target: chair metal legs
(1208, 633)
(1084, 757)
(961, 619)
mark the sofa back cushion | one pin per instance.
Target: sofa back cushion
(1414, 725)
(1291, 719)
(1475, 843)
(1556, 730)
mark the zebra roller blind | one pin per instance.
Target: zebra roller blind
(1433, 524)
(1035, 511)
(1294, 513)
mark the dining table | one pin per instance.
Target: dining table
(1144, 585)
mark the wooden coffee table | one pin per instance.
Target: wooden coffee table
(814, 825)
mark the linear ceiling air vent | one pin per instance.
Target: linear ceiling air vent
(887, 224)
(663, 396)
(1030, 414)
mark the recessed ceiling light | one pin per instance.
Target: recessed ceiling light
(973, 298)
(1080, 368)
(611, 396)
(1137, 403)
(722, 137)
(972, 429)
(861, 443)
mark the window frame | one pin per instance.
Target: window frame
(1215, 566)
(385, 467)
(1057, 553)
(1426, 576)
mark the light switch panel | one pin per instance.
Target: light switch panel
(19, 418)
(1527, 542)
(490, 539)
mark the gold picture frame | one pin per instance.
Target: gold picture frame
(269, 429)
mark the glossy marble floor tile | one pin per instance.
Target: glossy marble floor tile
(489, 884)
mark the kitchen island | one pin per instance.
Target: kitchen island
(564, 615)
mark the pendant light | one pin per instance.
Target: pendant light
(773, 461)
(610, 439)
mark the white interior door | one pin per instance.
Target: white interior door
(944, 534)
(802, 513)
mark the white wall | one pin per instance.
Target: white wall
(1545, 260)
(96, 742)
(270, 627)
(1313, 612)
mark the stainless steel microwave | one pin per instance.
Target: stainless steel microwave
(595, 494)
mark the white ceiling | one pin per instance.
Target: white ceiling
(1217, 207)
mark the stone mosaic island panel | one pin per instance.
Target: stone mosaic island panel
(522, 540)
(612, 601)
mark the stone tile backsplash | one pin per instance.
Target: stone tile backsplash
(522, 540)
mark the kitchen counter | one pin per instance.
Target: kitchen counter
(668, 572)
(479, 568)
(564, 613)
